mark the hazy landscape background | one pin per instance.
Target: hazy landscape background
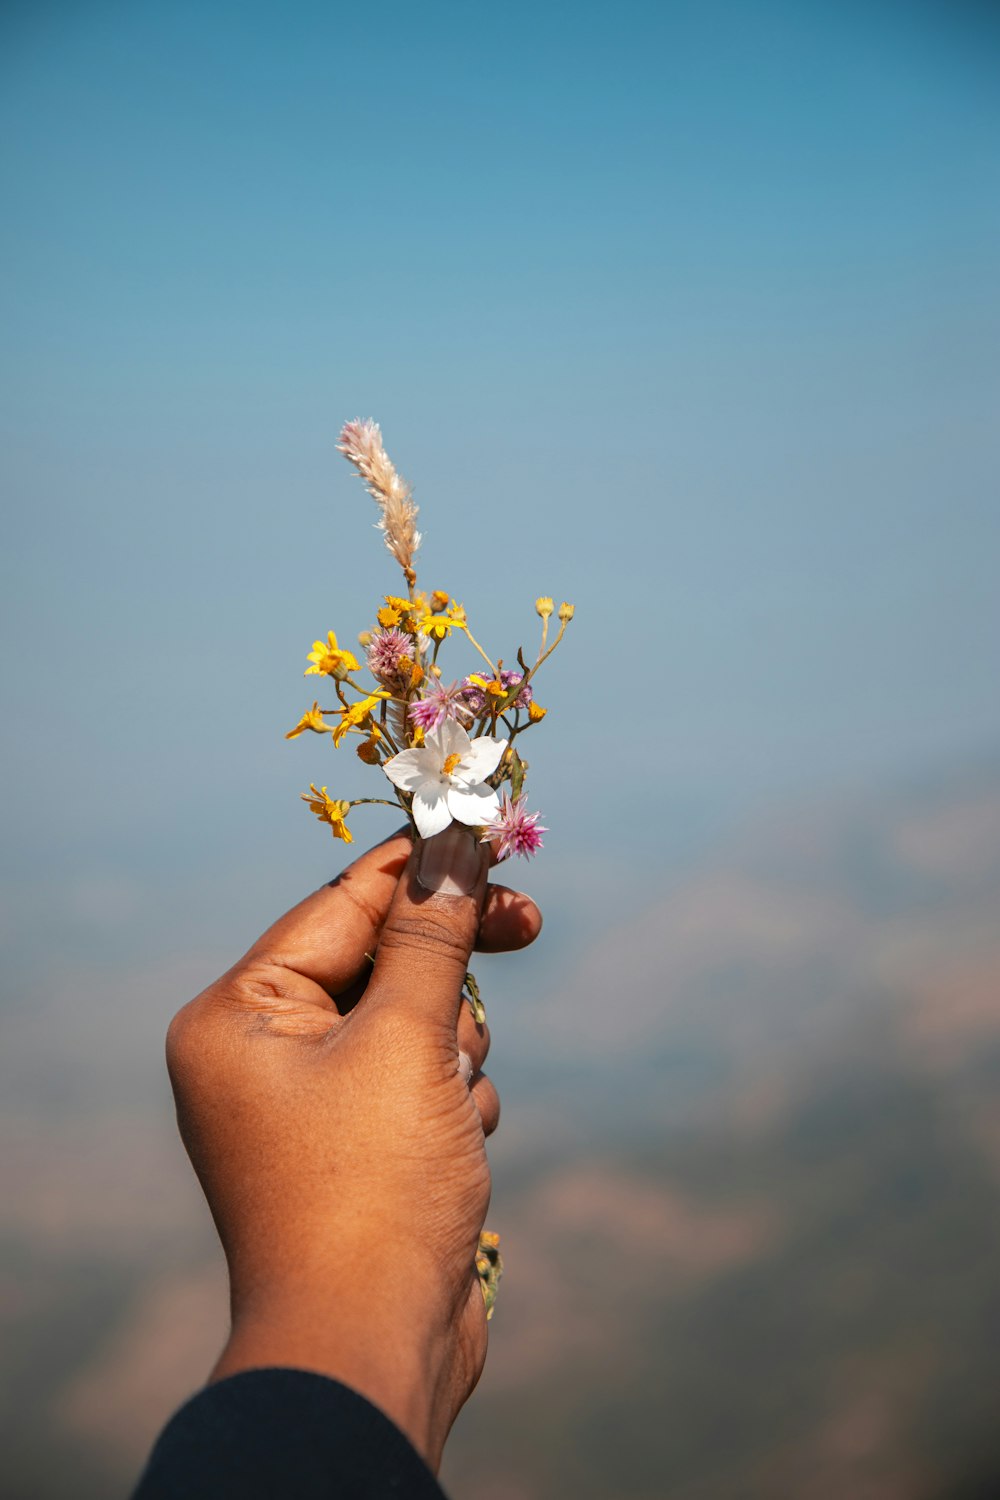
(689, 315)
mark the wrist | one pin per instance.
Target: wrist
(384, 1347)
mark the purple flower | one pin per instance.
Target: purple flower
(479, 700)
(387, 650)
(439, 704)
(519, 830)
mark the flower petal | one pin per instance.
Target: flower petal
(411, 767)
(473, 804)
(430, 808)
(480, 759)
(450, 739)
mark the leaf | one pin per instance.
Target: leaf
(517, 770)
(471, 991)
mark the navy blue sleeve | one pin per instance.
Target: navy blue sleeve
(283, 1435)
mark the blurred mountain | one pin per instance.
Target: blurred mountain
(746, 1182)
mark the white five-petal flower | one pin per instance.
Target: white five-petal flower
(447, 778)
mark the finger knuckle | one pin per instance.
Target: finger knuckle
(425, 931)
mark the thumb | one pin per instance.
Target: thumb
(424, 948)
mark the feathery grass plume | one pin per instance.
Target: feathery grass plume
(361, 444)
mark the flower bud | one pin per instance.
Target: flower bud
(566, 612)
(439, 602)
(365, 638)
(544, 606)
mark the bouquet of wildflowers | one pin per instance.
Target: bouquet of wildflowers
(450, 750)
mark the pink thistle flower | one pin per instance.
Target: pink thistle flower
(520, 831)
(439, 704)
(387, 650)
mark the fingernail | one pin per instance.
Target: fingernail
(450, 862)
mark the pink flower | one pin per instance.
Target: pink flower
(439, 704)
(478, 700)
(387, 650)
(519, 830)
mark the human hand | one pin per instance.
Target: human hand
(340, 1147)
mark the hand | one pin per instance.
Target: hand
(341, 1150)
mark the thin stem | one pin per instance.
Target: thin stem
(479, 648)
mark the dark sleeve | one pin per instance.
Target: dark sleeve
(283, 1435)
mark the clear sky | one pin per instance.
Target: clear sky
(687, 312)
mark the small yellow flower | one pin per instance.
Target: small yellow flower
(368, 749)
(536, 712)
(566, 612)
(438, 626)
(329, 811)
(439, 601)
(355, 716)
(311, 720)
(493, 686)
(364, 638)
(328, 660)
(417, 736)
(544, 606)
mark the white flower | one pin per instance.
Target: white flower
(447, 778)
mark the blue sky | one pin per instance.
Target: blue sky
(687, 312)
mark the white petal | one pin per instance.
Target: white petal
(480, 759)
(473, 804)
(430, 809)
(410, 767)
(450, 739)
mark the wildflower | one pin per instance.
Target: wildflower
(329, 660)
(520, 831)
(479, 690)
(390, 655)
(544, 606)
(439, 626)
(438, 601)
(329, 811)
(361, 445)
(368, 749)
(536, 712)
(566, 612)
(311, 720)
(439, 704)
(355, 716)
(447, 779)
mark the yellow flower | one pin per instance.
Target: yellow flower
(438, 626)
(368, 749)
(355, 716)
(544, 606)
(493, 686)
(388, 616)
(329, 811)
(566, 612)
(536, 712)
(311, 720)
(328, 660)
(439, 601)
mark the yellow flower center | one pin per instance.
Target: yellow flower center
(451, 763)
